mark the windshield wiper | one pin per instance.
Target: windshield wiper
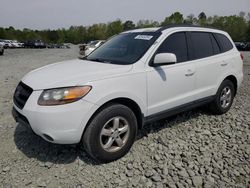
(96, 59)
(99, 60)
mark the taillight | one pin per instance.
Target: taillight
(241, 55)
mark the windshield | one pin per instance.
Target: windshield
(125, 48)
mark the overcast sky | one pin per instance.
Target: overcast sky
(53, 14)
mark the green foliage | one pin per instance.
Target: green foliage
(175, 18)
(128, 25)
(191, 19)
(248, 32)
(147, 24)
(114, 28)
(238, 26)
(202, 19)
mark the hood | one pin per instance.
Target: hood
(72, 73)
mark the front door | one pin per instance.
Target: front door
(171, 85)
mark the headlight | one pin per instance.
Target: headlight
(60, 96)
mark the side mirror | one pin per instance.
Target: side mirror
(164, 59)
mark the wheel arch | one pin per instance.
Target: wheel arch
(233, 79)
(124, 101)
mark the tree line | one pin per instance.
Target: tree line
(238, 26)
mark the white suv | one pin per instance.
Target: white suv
(134, 78)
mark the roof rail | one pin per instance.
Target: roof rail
(180, 25)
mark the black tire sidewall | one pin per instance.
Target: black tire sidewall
(93, 131)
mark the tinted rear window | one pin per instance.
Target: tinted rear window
(224, 42)
(202, 44)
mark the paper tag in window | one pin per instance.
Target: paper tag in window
(143, 37)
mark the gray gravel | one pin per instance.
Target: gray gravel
(192, 149)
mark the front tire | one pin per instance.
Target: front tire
(224, 98)
(111, 133)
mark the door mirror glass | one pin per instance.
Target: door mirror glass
(164, 59)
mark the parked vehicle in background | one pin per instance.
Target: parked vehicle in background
(86, 49)
(8, 44)
(82, 50)
(1, 48)
(134, 78)
(242, 46)
(66, 46)
(17, 44)
(34, 44)
(29, 44)
(39, 44)
(14, 44)
(11, 43)
(2, 42)
(247, 46)
(239, 45)
(62, 46)
(53, 46)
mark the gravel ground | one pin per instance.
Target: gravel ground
(192, 149)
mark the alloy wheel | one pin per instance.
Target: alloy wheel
(114, 134)
(225, 97)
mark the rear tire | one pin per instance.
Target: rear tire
(1, 53)
(223, 99)
(111, 133)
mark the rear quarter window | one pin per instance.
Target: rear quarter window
(224, 42)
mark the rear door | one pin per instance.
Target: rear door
(208, 64)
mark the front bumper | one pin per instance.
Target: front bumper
(20, 118)
(62, 124)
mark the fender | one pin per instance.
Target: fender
(112, 96)
(224, 76)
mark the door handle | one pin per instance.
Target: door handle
(189, 73)
(223, 64)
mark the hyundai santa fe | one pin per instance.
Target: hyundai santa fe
(135, 78)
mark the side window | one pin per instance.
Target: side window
(224, 42)
(216, 47)
(176, 44)
(202, 44)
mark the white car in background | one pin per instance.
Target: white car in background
(14, 44)
(2, 42)
(17, 44)
(8, 44)
(90, 47)
(11, 43)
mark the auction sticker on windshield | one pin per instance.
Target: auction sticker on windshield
(143, 37)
